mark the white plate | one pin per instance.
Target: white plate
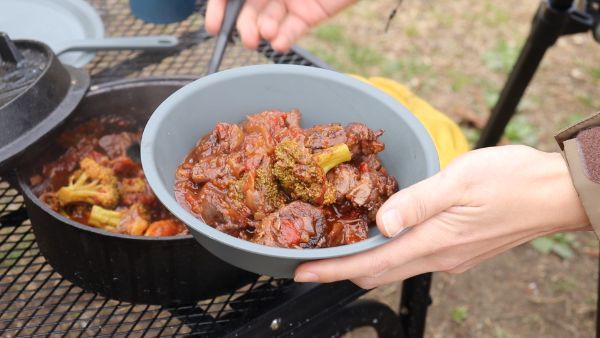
(52, 22)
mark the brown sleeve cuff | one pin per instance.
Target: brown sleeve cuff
(572, 131)
(580, 144)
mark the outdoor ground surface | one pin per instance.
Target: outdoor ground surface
(456, 55)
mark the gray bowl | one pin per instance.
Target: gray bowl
(323, 97)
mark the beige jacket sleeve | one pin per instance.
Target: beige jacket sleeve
(580, 145)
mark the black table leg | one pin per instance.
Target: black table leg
(414, 304)
(548, 25)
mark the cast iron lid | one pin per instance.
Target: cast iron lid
(37, 93)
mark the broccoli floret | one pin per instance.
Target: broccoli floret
(97, 171)
(332, 156)
(133, 185)
(103, 218)
(302, 175)
(93, 184)
(131, 221)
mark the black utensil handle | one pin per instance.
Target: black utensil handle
(231, 13)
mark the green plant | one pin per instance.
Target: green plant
(491, 97)
(412, 32)
(363, 57)
(501, 57)
(520, 130)
(566, 284)
(586, 100)
(596, 73)
(459, 314)
(330, 32)
(571, 119)
(407, 67)
(561, 244)
(472, 134)
(501, 333)
(459, 80)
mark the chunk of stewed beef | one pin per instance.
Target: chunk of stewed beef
(217, 208)
(363, 141)
(324, 136)
(347, 230)
(296, 225)
(225, 138)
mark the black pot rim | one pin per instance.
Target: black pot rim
(97, 89)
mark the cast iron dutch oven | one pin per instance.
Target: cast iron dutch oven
(152, 270)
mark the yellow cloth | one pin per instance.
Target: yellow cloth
(446, 134)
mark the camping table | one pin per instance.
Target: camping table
(36, 301)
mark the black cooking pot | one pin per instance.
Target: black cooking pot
(151, 270)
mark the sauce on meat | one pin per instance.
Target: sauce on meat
(95, 182)
(269, 181)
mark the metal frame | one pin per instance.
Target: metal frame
(553, 19)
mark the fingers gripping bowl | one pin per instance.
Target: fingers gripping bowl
(323, 97)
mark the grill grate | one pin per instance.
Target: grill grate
(36, 301)
(189, 58)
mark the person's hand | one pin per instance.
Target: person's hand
(485, 202)
(280, 22)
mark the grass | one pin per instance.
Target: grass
(364, 57)
(570, 120)
(494, 15)
(472, 135)
(561, 244)
(442, 18)
(596, 73)
(502, 57)
(330, 32)
(501, 333)
(565, 284)
(491, 97)
(352, 57)
(406, 68)
(412, 32)
(520, 131)
(459, 80)
(459, 314)
(586, 100)
(348, 56)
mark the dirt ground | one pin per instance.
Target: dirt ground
(456, 55)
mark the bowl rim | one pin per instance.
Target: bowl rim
(164, 193)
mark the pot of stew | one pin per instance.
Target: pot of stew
(97, 221)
